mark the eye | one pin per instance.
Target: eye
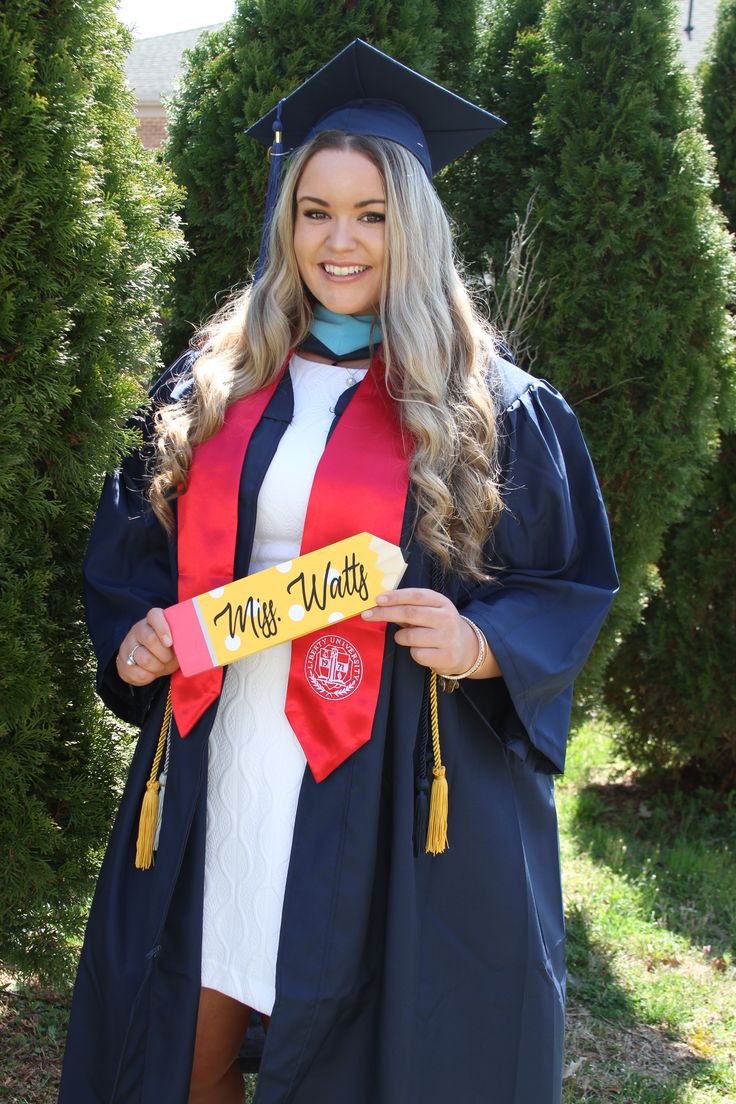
(373, 216)
(315, 214)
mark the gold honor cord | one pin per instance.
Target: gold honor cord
(149, 808)
(436, 843)
(437, 829)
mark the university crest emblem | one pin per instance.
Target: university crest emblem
(333, 667)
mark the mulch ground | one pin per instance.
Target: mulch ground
(32, 1032)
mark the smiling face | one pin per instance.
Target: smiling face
(339, 230)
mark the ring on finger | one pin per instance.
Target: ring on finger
(130, 660)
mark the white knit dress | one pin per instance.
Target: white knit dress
(256, 764)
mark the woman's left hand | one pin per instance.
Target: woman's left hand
(433, 630)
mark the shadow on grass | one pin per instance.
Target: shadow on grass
(611, 1055)
(675, 846)
(32, 1032)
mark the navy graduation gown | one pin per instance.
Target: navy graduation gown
(400, 978)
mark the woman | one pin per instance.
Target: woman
(391, 973)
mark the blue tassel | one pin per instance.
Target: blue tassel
(272, 191)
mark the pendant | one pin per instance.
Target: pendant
(350, 380)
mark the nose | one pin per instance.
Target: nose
(341, 237)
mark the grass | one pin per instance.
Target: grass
(32, 1029)
(650, 888)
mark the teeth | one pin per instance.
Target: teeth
(344, 270)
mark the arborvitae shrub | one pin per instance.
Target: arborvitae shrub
(672, 685)
(87, 235)
(490, 186)
(234, 76)
(636, 267)
(458, 22)
(633, 265)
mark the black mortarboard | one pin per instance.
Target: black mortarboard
(364, 91)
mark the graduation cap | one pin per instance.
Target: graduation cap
(364, 91)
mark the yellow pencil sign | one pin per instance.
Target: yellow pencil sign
(283, 602)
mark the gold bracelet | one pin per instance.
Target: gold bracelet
(449, 682)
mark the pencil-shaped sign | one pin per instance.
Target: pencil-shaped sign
(283, 602)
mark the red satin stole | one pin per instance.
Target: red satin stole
(361, 484)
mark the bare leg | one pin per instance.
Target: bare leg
(221, 1025)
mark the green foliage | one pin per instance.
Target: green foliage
(87, 234)
(234, 76)
(490, 186)
(635, 268)
(650, 889)
(458, 20)
(718, 74)
(670, 683)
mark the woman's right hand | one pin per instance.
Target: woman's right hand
(149, 641)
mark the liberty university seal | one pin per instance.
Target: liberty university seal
(333, 667)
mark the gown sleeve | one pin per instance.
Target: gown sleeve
(130, 563)
(554, 578)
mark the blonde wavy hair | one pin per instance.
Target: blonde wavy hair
(438, 354)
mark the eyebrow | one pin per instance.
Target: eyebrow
(324, 203)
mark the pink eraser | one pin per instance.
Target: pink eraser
(190, 642)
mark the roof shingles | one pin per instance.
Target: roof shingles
(155, 64)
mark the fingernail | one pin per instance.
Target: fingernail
(168, 641)
(381, 600)
(367, 614)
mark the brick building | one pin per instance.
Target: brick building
(154, 64)
(152, 69)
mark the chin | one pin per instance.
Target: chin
(344, 300)
(342, 304)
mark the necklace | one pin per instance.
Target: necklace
(350, 372)
(351, 379)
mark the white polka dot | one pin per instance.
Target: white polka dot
(232, 643)
(284, 567)
(332, 575)
(217, 592)
(296, 613)
(335, 617)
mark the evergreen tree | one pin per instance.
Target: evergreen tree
(636, 267)
(87, 233)
(234, 76)
(490, 185)
(453, 67)
(670, 683)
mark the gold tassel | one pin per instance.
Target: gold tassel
(147, 826)
(149, 808)
(437, 829)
